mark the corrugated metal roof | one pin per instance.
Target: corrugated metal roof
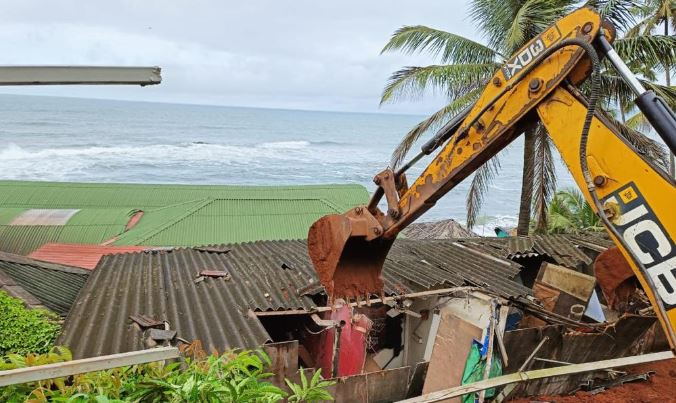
(214, 221)
(55, 286)
(266, 275)
(79, 255)
(562, 249)
(174, 215)
(91, 226)
(164, 286)
(443, 229)
(27, 194)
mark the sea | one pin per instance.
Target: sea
(89, 140)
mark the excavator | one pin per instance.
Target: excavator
(635, 200)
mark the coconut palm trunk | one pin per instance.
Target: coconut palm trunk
(526, 183)
(667, 73)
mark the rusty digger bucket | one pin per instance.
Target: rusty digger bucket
(348, 253)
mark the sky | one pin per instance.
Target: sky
(295, 54)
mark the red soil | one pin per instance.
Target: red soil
(660, 388)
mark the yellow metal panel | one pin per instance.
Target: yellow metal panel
(640, 198)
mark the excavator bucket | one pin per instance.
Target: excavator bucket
(348, 254)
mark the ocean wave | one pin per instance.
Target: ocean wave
(57, 163)
(292, 144)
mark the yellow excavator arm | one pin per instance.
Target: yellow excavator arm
(635, 200)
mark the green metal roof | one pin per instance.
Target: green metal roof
(174, 215)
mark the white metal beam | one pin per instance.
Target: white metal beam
(79, 75)
(67, 368)
(537, 374)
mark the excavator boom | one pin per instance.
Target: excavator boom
(537, 84)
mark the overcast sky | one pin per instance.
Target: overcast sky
(299, 54)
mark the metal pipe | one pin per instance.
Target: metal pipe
(336, 348)
(617, 62)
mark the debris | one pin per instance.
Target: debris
(504, 393)
(215, 274)
(162, 335)
(595, 388)
(615, 277)
(146, 321)
(539, 374)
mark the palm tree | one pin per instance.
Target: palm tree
(568, 211)
(465, 66)
(655, 13)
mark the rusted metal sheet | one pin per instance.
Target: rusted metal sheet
(615, 277)
(387, 386)
(373, 387)
(80, 255)
(343, 345)
(619, 340)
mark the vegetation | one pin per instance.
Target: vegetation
(568, 212)
(465, 66)
(23, 330)
(228, 377)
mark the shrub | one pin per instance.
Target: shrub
(23, 330)
(228, 377)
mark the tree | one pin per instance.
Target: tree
(655, 13)
(465, 66)
(568, 211)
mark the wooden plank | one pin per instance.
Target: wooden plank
(375, 301)
(452, 345)
(489, 350)
(284, 358)
(538, 374)
(76, 75)
(50, 371)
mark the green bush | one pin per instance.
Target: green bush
(228, 377)
(23, 330)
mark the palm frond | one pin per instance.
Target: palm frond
(436, 120)
(454, 80)
(621, 13)
(653, 51)
(667, 93)
(649, 148)
(508, 25)
(451, 48)
(544, 177)
(638, 122)
(478, 188)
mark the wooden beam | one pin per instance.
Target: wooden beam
(60, 369)
(375, 301)
(79, 75)
(489, 350)
(538, 374)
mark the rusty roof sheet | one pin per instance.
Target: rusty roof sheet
(265, 275)
(55, 286)
(79, 255)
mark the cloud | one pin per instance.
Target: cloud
(284, 53)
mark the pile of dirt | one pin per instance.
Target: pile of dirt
(660, 388)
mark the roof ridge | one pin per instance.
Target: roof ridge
(156, 230)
